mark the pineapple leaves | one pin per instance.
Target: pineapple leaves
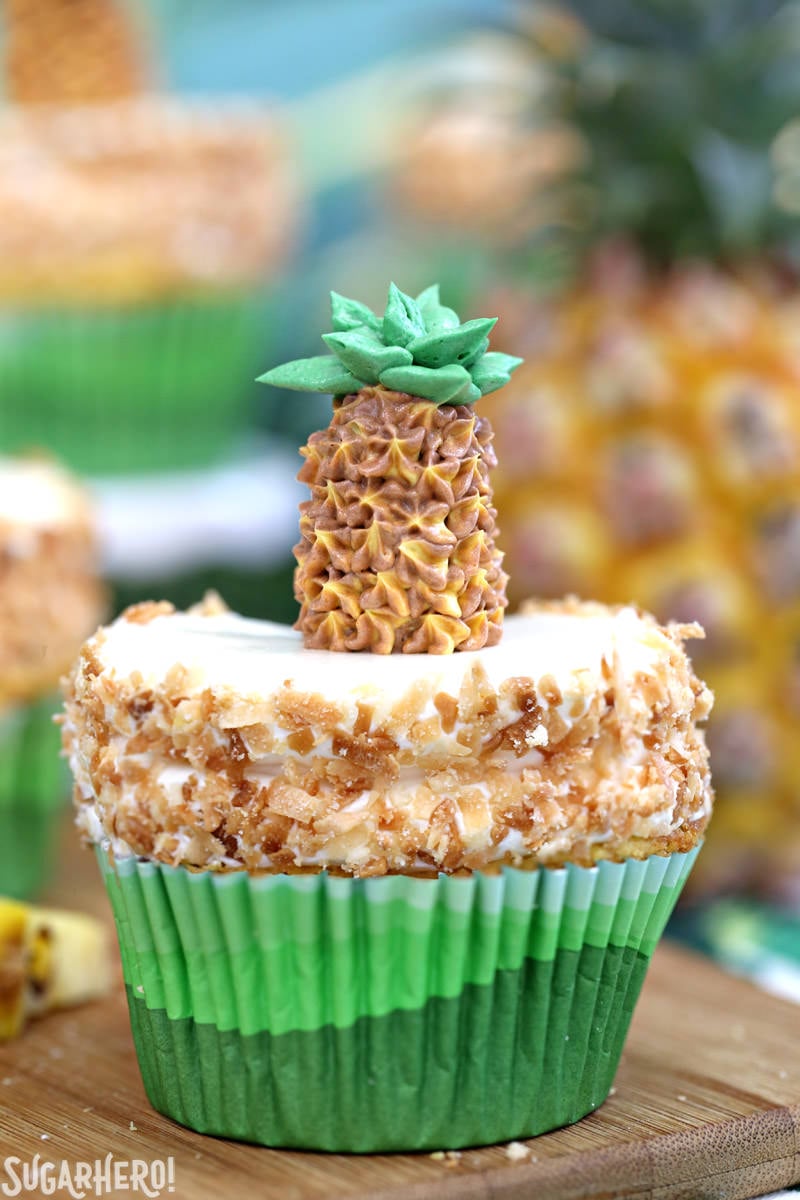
(320, 374)
(351, 314)
(418, 346)
(460, 345)
(428, 301)
(402, 320)
(443, 318)
(494, 371)
(443, 385)
(365, 357)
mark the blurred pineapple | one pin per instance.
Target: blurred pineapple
(480, 157)
(649, 450)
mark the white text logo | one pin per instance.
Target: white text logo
(102, 1177)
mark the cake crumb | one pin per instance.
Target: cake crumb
(681, 1097)
(437, 1155)
(613, 1091)
(89, 1109)
(45, 1137)
(452, 1158)
(516, 1151)
(133, 1128)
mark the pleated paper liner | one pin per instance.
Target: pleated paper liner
(384, 1014)
(33, 792)
(127, 390)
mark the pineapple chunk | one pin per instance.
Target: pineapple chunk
(48, 959)
(13, 923)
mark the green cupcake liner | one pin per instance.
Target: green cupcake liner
(33, 790)
(118, 390)
(396, 1013)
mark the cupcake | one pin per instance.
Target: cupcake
(131, 304)
(50, 598)
(389, 880)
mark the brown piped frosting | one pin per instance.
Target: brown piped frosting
(398, 550)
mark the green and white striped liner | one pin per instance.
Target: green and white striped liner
(408, 1013)
(141, 388)
(33, 789)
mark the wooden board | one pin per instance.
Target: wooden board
(706, 1105)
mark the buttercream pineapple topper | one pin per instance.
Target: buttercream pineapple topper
(397, 549)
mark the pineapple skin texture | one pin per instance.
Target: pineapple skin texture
(397, 549)
(649, 451)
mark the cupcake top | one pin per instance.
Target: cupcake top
(50, 592)
(206, 739)
(235, 656)
(37, 495)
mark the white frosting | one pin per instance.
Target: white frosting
(254, 659)
(38, 495)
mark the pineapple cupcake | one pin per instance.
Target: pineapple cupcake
(410, 821)
(129, 305)
(50, 598)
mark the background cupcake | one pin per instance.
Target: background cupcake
(130, 304)
(50, 596)
(411, 891)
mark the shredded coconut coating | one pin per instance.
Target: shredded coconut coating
(511, 773)
(50, 598)
(156, 198)
(397, 550)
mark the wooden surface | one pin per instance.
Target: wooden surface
(706, 1105)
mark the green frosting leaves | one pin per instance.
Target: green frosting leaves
(402, 320)
(463, 345)
(436, 315)
(418, 346)
(365, 356)
(443, 385)
(494, 370)
(350, 314)
(320, 374)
